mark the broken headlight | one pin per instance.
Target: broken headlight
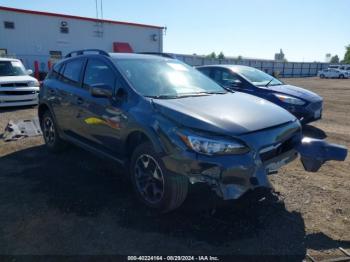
(209, 146)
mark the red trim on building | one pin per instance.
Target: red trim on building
(10, 9)
(36, 69)
(120, 47)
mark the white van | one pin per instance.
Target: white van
(17, 87)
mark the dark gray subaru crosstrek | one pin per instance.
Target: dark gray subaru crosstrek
(171, 126)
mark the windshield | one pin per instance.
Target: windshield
(166, 78)
(257, 77)
(11, 68)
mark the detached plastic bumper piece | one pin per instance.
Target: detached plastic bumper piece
(315, 152)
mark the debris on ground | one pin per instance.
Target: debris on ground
(345, 258)
(16, 130)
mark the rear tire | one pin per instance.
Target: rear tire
(155, 186)
(50, 133)
(341, 76)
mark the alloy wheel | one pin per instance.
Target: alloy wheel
(49, 131)
(149, 179)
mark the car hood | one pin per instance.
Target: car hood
(232, 113)
(21, 79)
(296, 92)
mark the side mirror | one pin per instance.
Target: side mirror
(120, 94)
(234, 83)
(101, 91)
(29, 71)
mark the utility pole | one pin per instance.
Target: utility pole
(101, 9)
(96, 9)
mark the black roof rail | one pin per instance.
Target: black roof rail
(81, 52)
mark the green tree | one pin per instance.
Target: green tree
(239, 58)
(347, 55)
(212, 55)
(221, 55)
(335, 59)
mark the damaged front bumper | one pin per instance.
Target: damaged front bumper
(315, 152)
(231, 176)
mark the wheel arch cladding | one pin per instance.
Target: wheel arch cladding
(42, 109)
(138, 137)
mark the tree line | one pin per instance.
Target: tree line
(334, 59)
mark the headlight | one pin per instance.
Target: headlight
(208, 146)
(33, 84)
(290, 99)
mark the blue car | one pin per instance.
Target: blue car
(305, 105)
(146, 113)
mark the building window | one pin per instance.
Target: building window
(56, 55)
(9, 25)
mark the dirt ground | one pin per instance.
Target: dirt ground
(75, 203)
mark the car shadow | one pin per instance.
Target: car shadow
(314, 132)
(77, 183)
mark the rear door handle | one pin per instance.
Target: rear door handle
(80, 101)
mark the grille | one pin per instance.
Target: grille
(277, 150)
(17, 93)
(14, 85)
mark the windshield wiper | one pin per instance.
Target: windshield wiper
(187, 95)
(216, 93)
(163, 97)
(269, 82)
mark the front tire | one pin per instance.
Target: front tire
(155, 186)
(52, 140)
(322, 76)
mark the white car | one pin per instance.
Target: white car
(333, 73)
(17, 87)
(345, 68)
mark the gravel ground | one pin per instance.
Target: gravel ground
(75, 203)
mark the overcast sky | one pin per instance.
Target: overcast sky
(305, 29)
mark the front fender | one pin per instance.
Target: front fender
(315, 152)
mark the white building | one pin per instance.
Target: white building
(40, 38)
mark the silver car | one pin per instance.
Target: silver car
(333, 73)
